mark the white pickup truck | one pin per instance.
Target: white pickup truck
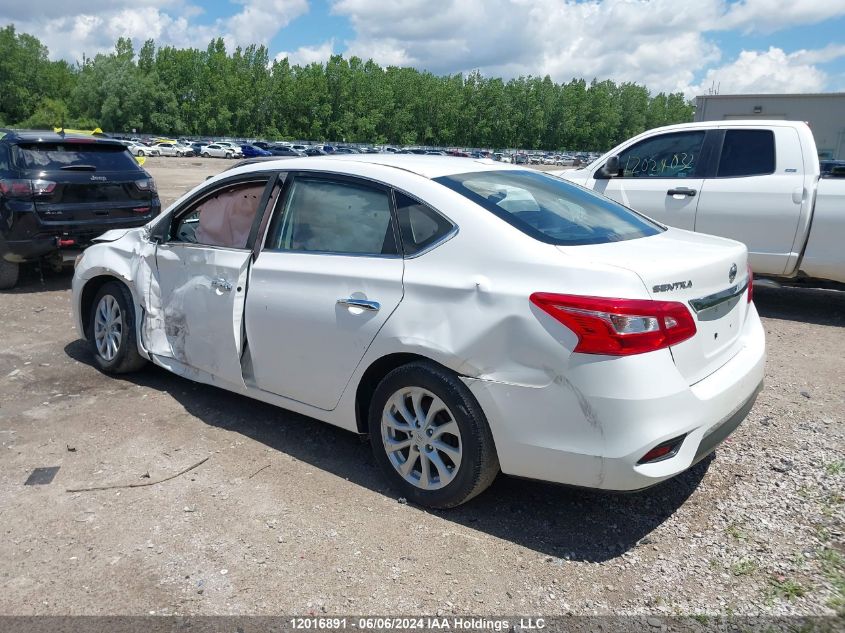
(755, 181)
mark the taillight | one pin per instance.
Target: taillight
(146, 184)
(750, 284)
(618, 327)
(24, 187)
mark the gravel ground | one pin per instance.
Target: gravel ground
(291, 516)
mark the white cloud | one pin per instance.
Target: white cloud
(658, 43)
(305, 55)
(74, 28)
(772, 15)
(764, 72)
(260, 20)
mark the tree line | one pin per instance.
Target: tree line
(188, 91)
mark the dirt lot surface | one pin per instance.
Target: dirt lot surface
(289, 515)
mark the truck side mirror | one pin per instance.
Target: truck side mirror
(610, 169)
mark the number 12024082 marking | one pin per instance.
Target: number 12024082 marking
(679, 162)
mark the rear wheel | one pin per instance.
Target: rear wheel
(112, 330)
(9, 272)
(430, 436)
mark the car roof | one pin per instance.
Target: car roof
(44, 136)
(422, 165)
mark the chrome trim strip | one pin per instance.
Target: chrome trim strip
(711, 301)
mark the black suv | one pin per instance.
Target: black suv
(60, 191)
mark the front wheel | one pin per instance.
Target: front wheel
(229, 155)
(112, 330)
(430, 436)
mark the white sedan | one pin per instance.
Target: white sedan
(173, 149)
(139, 149)
(219, 150)
(472, 317)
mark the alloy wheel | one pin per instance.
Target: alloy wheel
(108, 327)
(421, 438)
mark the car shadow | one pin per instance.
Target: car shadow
(806, 305)
(560, 522)
(33, 280)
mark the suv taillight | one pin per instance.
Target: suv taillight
(618, 327)
(146, 184)
(24, 187)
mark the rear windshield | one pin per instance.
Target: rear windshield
(53, 156)
(550, 209)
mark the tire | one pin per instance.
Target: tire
(466, 467)
(121, 356)
(204, 155)
(9, 272)
(229, 155)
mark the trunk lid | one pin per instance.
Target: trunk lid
(86, 197)
(693, 269)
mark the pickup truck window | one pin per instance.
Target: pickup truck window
(673, 155)
(747, 153)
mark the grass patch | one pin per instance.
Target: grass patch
(735, 530)
(744, 567)
(835, 468)
(788, 589)
(833, 569)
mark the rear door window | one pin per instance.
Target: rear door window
(747, 153)
(55, 156)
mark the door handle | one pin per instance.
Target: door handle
(221, 283)
(681, 191)
(372, 306)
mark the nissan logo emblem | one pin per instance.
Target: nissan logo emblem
(732, 273)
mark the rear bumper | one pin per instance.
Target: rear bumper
(590, 426)
(25, 239)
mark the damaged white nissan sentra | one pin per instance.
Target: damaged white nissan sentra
(470, 316)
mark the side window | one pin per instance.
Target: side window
(420, 225)
(673, 155)
(335, 217)
(747, 153)
(223, 219)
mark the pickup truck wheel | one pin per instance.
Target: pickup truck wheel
(112, 330)
(9, 272)
(430, 436)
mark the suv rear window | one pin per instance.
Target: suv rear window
(54, 156)
(550, 209)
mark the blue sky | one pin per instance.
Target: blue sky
(668, 45)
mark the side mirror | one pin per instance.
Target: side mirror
(160, 231)
(610, 169)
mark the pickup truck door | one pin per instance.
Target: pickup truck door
(756, 194)
(660, 176)
(200, 281)
(329, 276)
